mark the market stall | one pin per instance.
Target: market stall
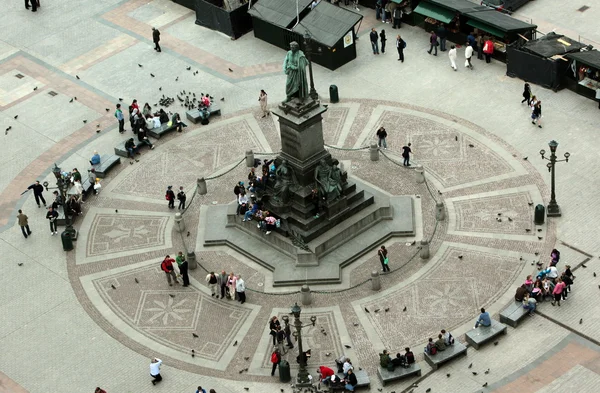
(449, 12)
(583, 76)
(229, 18)
(272, 20)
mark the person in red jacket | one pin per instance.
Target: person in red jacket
(488, 49)
(167, 267)
(325, 374)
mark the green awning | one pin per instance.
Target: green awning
(487, 28)
(435, 12)
(397, 1)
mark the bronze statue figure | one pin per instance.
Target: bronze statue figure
(294, 67)
(284, 179)
(328, 180)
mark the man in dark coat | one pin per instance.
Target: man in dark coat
(156, 39)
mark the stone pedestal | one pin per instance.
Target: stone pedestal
(374, 152)
(424, 254)
(179, 225)
(201, 183)
(420, 174)
(375, 280)
(191, 258)
(440, 212)
(249, 159)
(305, 296)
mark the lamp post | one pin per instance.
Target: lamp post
(62, 185)
(302, 380)
(553, 208)
(308, 49)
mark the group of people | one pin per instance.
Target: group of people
(328, 377)
(483, 45)
(250, 206)
(444, 340)
(181, 197)
(534, 104)
(400, 43)
(381, 135)
(401, 360)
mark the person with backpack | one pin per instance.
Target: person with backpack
(409, 356)
(211, 280)
(400, 45)
(430, 348)
(275, 359)
(170, 196)
(167, 267)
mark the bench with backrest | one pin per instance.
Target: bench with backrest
(194, 114)
(512, 314)
(120, 149)
(483, 334)
(107, 161)
(163, 129)
(451, 352)
(399, 372)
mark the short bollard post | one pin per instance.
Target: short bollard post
(179, 223)
(424, 249)
(305, 296)
(440, 213)
(191, 259)
(249, 159)
(374, 152)
(375, 280)
(420, 174)
(201, 183)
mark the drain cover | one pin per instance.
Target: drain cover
(584, 8)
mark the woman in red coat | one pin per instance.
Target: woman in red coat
(488, 49)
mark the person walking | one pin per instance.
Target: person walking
(452, 55)
(383, 40)
(170, 196)
(155, 370)
(120, 118)
(23, 223)
(38, 190)
(536, 115)
(381, 135)
(222, 283)
(442, 34)
(262, 98)
(374, 45)
(182, 264)
(52, 216)
(383, 258)
(468, 55)
(167, 267)
(526, 94)
(400, 45)
(406, 150)
(397, 16)
(156, 39)
(211, 280)
(433, 43)
(240, 289)
(275, 359)
(488, 49)
(181, 198)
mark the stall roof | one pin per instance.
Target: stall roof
(327, 23)
(487, 28)
(552, 44)
(458, 5)
(500, 21)
(435, 12)
(590, 58)
(278, 12)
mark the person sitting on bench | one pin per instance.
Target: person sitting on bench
(410, 357)
(131, 148)
(176, 121)
(440, 345)
(351, 381)
(143, 138)
(95, 158)
(399, 360)
(384, 359)
(448, 339)
(325, 374)
(484, 319)
(162, 116)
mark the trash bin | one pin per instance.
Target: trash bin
(67, 242)
(333, 94)
(284, 371)
(540, 213)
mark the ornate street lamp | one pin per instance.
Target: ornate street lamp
(308, 51)
(553, 208)
(303, 380)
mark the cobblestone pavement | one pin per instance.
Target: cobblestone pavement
(96, 315)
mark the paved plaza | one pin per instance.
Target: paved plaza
(95, 316)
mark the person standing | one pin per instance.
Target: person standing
(433, 43)
(383, 258)
(167, 267)
(240, 289)
(155, 370)
(480, 47)
(280, 336)
(526, 94)
(24, 224)
(442, 34)
(452, 56)
(397, 16)
(222, 283)
(231, 281)
(471, 39)
(273, 324)
(52, 216)
(374, 45)
(468, 55)
(181, 198)
(182, 263)
(406, 150)
(211, 280)
(558, 291)
(120, 118)
(275, 359)
(156, 39)
(38, 189)
(383, 40)
(170, 196)
(288, 335)
(488, 49)
(382, 134)
(262, 98)
(400, 45)
(536, 115)
(598, 96)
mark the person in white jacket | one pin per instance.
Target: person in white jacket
(452, 55)
(240, 288)
(155, 370)
(468, 56)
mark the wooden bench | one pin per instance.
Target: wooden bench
(399, 372)
(163, 129)
(362, 379)
(450, 353)
(120, 149)
(483, 334)
(194, 114)
(512, 314)
(107, 161)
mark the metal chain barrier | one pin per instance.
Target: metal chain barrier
(345, 148)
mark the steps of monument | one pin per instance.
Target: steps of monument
(306, 213)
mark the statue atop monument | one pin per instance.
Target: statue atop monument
(294, 66)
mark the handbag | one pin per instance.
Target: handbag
(385, 261)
